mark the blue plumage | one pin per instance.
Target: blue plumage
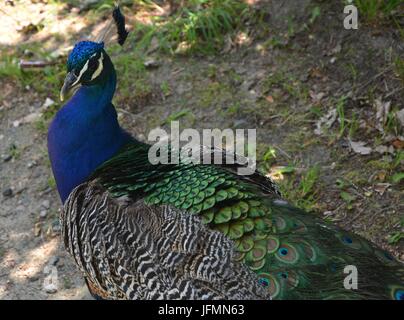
(85, 132)
(81, 52)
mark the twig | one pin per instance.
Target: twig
(373, 79)
(355, 217)
(24, 64)
(394, 92)
(283, 152)
(129, 113)
(156, 6)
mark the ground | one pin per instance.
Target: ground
(325, 102)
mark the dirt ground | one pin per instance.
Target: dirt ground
(281, 75)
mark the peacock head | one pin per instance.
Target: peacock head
(85, 66)
(88, 64)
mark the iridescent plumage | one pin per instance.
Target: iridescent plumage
(188, 231)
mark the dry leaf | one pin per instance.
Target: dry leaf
(316, 73)
(270, 99)
(359, 147)
(381, 176)
(384, 149)
(381, 188)
(398, 144)
(326, 121)
(400, 117)
(48, 102)
(316, 96)
(382, 111)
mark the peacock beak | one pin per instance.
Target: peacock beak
(71, 82)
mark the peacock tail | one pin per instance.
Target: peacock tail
(294, 254)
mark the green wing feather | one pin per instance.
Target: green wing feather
(296, 255)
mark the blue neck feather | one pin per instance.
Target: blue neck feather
(84, 134)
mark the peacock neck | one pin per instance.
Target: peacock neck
(84, 134)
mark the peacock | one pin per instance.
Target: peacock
(138, 230)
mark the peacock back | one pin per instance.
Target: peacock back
(294, 254)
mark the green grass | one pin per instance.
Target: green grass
(176, 116)
(198, 25)
(375, 11)
(14, 152)
(353, 126)
(399, 68)
(165, 88)
(288, 83)
(215, 94)
(232, 109)
(9, 67)
(392, 124)
(392, 168)
(302, 191)
(134, 86)
(397, 236)
(341, 116)
(51, 182)
(46, 81)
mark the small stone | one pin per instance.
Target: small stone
(6, 213)
(239, 123)
(48, 102)
(7, 157)
(151, 63)
(16, 123)
(20, 208)
(33, 278)
(337, 49)
(28, 53)
(56, 227)
(253, 95)
(400, 117)
(37, 229)
(43, 214)
(45, 204)
(50, 288)
(53, 260)
(50, 283)
(8, 192)
(183, 88)
(3, 236)
(31, 164)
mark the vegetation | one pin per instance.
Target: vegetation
(376, 10)
(197, 25)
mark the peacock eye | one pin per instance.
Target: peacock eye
(92, 64)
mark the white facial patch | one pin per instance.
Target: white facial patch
(99, 68)
(84, 69)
